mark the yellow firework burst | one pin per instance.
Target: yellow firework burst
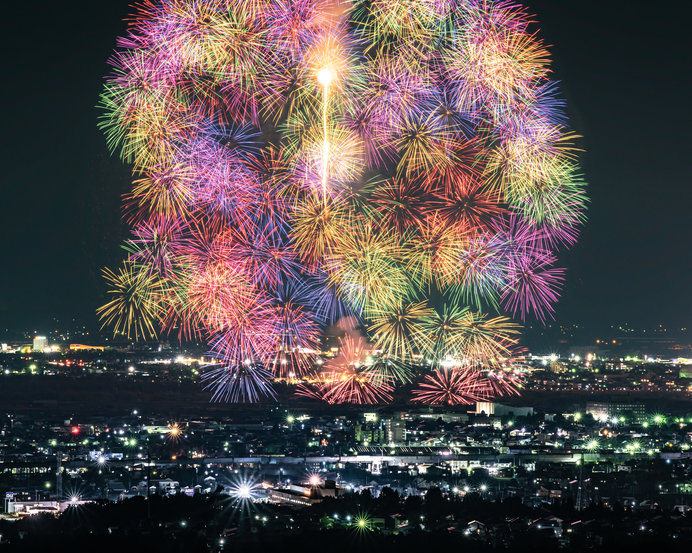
(364, 266)
(486, 340)
(134, 309)
(399, 330)
(318, 227)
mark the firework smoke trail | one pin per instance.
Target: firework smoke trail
(405, 165)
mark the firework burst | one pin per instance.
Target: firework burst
(452, 387)
(402, 164)
(352, 377)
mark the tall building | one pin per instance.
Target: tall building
(485, 407)
(370, 432)
(40, 343)
(396, 431)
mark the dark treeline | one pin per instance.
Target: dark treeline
(390, 523)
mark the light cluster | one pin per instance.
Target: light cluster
(403, 166)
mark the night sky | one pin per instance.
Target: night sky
(625, 71)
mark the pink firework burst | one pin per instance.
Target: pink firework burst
(453, 386)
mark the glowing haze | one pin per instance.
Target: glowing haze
(401, 165)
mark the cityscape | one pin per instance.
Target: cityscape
(351, 275)
(589, 434)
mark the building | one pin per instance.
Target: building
(370, 432)
(83, 347)
(40, 343)
(296, 495)
(631, 411)
(396, 431)
(24, 508)
(485, 408)
(513, 410)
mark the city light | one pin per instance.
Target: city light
(174, 432)
(244, 491)
(362, 522)
(633, 447)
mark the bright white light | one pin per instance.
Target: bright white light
(314, 480)
(243, 489)
(74, 499)
(325, 76)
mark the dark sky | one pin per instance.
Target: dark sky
(626, 74)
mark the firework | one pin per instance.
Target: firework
(503, 382)
(364, 267)
(398, 330)
(451, 387)
(134, 308)
(401, 164)
(298, 336)
(352, 377)
(401, 205)
(445, 331)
